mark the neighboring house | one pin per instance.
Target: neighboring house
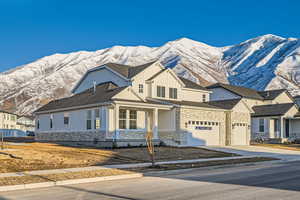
(275, 113)
(8, 120)
(116, 104)
(25, 123)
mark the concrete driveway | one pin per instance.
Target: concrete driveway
(283, 154)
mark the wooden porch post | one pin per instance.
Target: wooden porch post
(117, 107)
(155, 123)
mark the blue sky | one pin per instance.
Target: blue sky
(30, 29)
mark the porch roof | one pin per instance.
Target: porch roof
(271, 109)
(189, 103)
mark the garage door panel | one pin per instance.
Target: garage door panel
(239, 134)
(198, 137)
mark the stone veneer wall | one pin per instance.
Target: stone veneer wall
(132, 134)
(183, 115)
(76, 136)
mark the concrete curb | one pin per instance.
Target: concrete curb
(69, 182)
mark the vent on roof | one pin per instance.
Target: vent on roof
(94, 87)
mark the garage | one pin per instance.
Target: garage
(239, 134)
(202, 133)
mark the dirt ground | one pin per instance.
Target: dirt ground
(38, 156)
(294, 147)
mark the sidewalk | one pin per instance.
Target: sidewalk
(121, 166)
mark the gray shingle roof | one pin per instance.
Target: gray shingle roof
(104, 93)
(271, 109)
(225, 104)
(192, 85)
(238, 90)
(271, 94)
(189, 103)
(128, 71)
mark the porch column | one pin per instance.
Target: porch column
(117, 107)
(281, 127)
(155, 123)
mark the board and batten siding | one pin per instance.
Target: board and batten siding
(222, 94)
(77, 120)
(100, 76)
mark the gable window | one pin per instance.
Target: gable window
(141, 88)
(88, 119)
(161, 91)
(173, 93)
(97, 122)
(51, 121)
(122, 119)
(66, 119)
(132, 119)
(203, 97)
(261, 125)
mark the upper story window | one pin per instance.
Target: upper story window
(161, 91)
(261, 125)
(173, 93)
(203, 97)
(141, 88)
(66, 119)
(97, 122)
(88, 119)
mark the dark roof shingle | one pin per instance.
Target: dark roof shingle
(225, 104)
(240, 91)
(104, 93)
(191, 84)
(271, 109)
(271, 94)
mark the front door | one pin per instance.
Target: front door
(287, 128)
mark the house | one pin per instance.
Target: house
(117, 104)
(8, 120)
(274, 112)
(25, 123)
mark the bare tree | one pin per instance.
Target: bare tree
(150, 145)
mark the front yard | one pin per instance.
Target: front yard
(294, 147)
(39, 156)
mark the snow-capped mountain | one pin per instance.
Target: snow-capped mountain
(265, 62)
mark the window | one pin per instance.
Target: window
(51, 121)
(88, 119)
(122, 119)
(97, 119)
(261, 125)
(66, 119)
(203, 97)
(161, 91)
(173, 93)
(141, 88)
(132, 119)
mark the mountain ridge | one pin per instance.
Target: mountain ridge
(263, 62)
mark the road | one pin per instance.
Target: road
(262, 182)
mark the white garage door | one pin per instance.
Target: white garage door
(239, 134)
(205, 133)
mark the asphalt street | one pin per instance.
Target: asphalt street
(262, 182)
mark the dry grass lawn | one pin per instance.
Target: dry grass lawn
(294, 147)
(38, 156)
(60, 177)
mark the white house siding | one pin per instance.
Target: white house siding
(167, 120)
(167, 80)
(282, 98)
(100, 76)
(191, 95)
(255, 133)
(142, 77)
(222, 94)
(75, 131)
(295, 128)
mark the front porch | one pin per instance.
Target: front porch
(132, 122)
